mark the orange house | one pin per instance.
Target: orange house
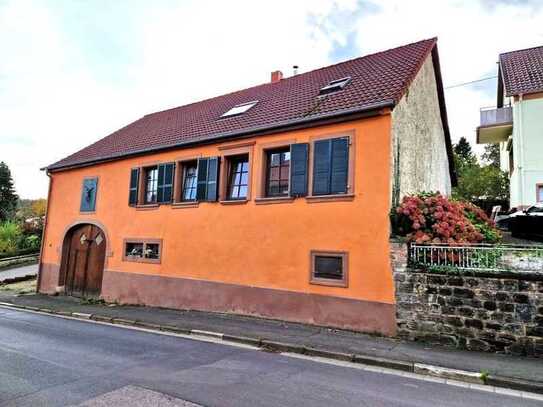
(271, 201)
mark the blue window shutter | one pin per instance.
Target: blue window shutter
(134, 184)
(322, 167)
(201, 187)
(165, 182)
(298, 169)
(88, 195)
(212, 178)
(340, 166)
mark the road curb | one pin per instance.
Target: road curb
(275, 346)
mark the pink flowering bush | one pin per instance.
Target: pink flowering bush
(433, 218)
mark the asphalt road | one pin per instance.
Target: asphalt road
(51, 361)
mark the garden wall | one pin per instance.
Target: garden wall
(494, 313)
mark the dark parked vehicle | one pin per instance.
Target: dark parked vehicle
(527, 224)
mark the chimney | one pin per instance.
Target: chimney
(294, 70)
(276, 76)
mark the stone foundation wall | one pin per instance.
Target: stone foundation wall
(496, 314)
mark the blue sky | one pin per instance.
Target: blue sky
(72, 72)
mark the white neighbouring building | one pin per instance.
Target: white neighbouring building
(517, 124)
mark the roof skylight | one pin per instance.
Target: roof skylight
(335, 85)
(239, 109)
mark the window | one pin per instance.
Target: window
(539, 193)
(151, 184)
(190, 179)
(331, 166)
(239, 109)
(329, 268)
(278, 172)
(144, 251)
(238, 179)
(335, 86)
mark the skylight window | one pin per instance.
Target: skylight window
(335, 85)
(239, 109)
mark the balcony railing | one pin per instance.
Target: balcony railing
(496, 116)
(477, 257)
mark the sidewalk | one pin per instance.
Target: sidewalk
(18, 272)
(503, 370)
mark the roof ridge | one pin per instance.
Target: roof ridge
(433, 39)
(520, 50)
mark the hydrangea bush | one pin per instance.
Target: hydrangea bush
(433, 218)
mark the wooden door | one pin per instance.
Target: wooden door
(85, 261)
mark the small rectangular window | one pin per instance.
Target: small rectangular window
(238, 179)
(190, 181)
(329, 268)
(151, 184)
(239, 109)
(335, 86)
(540, 193)
(278, 172)
(144, 250)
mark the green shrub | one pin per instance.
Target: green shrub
(10, 237)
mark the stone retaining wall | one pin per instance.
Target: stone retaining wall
(496, 314)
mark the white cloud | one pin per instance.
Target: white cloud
(56, 96)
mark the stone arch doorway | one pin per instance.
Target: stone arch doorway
(83, 259)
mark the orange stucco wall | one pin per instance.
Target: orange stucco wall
(256, 245)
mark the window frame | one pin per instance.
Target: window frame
(349, 195)
(96, 179)
(145, 242)
(145, 172)
(239, 109)
(344, 282)
(267, 166)
(538, 192)
(185, 165)
(234, 162)
(226, 153)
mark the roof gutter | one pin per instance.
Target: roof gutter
(286, 125)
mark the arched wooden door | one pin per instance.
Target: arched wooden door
(85, 253)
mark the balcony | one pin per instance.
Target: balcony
(496, 125)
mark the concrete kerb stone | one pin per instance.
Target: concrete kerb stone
(516, 384)
(123, 321)
(384, 362)
(242, 339)
(102, 318)
(275, 346)
(445, 373)
(328, 354)
(175, 329)
(147, 325)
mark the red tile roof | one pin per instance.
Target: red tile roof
(522, 71)
(378, 80)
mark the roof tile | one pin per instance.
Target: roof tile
(376, 79)
(522, 71)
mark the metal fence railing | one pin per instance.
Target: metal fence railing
(483, 257)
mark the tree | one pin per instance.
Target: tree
(8, 197)
(478, 182)
(492, 155)
(463, 151)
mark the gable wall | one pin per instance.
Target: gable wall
(417, 134)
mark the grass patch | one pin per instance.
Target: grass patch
(22, 287)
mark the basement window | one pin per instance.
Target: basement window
(329, 268)
(335, 86)
(239, 109)
(144, 251)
